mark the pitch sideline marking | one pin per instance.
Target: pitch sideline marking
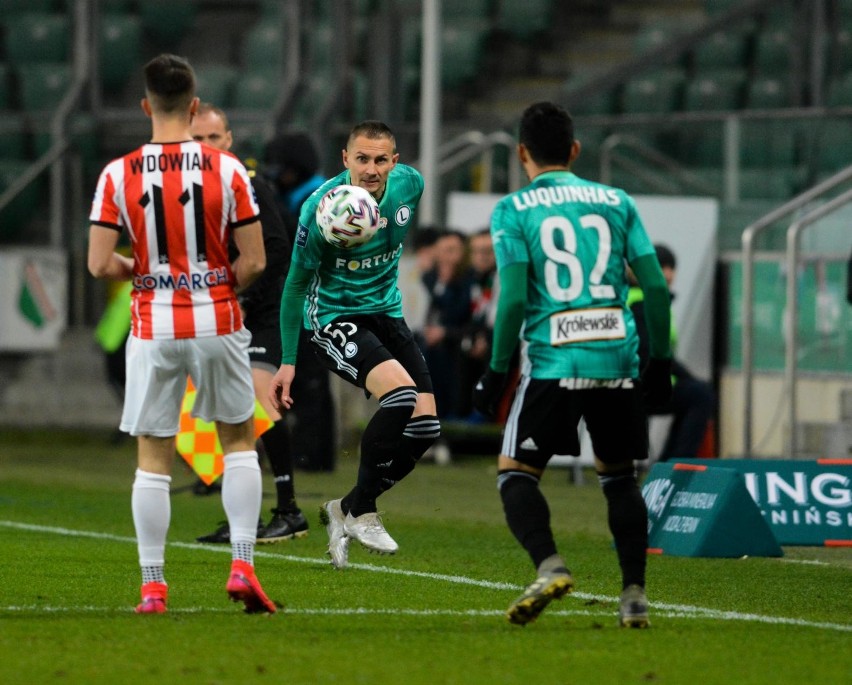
(670, 610)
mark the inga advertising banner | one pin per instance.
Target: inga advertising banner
(700, 511)
(805, 502)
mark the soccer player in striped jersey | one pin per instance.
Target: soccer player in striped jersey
(180, 201)
(350, 302)
(562, 244)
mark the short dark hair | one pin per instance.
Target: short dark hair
(547, 132)
(169, 83)
(373, 129)
(665, 256)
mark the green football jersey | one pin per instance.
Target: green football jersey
(362, 279)
(574, 235)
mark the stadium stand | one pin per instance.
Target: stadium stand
(41, 85)
(524, 20)
(657, 92)
(216, 83)
(120, 48)
(722, 50)
(166, 21)
(37, 37)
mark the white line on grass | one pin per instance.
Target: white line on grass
(661, 608)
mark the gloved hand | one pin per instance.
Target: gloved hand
(657, 382)
(488, 391)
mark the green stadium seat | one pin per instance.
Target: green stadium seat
(263, 46)
(37, 37)
(462, 50)
(467, 10)
(767, 92)
(832, 144)
(5, 89)
(41, 86)
(841, 59)
(114, 6)
(83, 137)
(120, 49)
(10, 7)
(715, 91)
(215, 84)
(13, 136)
(653, 35)
(602, 102)
(658, 92)
(716, 7)
(166, 21)
(310, 99)
(721, 50)
(257, 88)
(321, 48)
(768, 143)
(840, 91)
(772, 52)
(524, 19)
(18, 213)
(771, 183)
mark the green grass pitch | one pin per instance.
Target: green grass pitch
(434, 613)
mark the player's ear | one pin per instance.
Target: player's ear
(575, 151)
(345, 157)
(523, 153)
(146, 106)
(193, 106)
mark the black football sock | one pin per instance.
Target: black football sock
(379, 445)
(276, 444)
(419, 435)
(527, 513)
(628, 522)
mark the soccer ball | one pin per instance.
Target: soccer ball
(348, 216)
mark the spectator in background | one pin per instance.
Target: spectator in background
(849, 280)
(291, 163)
(693, 401)
(449, 283)
(476, 341)
(415, 296)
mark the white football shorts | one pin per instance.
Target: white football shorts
(156, 382)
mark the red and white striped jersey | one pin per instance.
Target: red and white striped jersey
(178, 203)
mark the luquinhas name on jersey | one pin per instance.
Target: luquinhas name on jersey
(557, 195)
(584, 325)
(182, 281)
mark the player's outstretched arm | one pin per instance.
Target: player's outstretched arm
(279, 387)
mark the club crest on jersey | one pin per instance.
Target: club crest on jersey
(302, 236)
(403, 215)
(350, 350)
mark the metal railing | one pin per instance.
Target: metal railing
(792, 333)
(683, 177)
(748, 256)
(475, 144)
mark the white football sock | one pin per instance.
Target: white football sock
(241, 495)
(151, 515)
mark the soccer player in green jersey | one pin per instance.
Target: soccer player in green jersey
(350, 302)
(562, 244)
